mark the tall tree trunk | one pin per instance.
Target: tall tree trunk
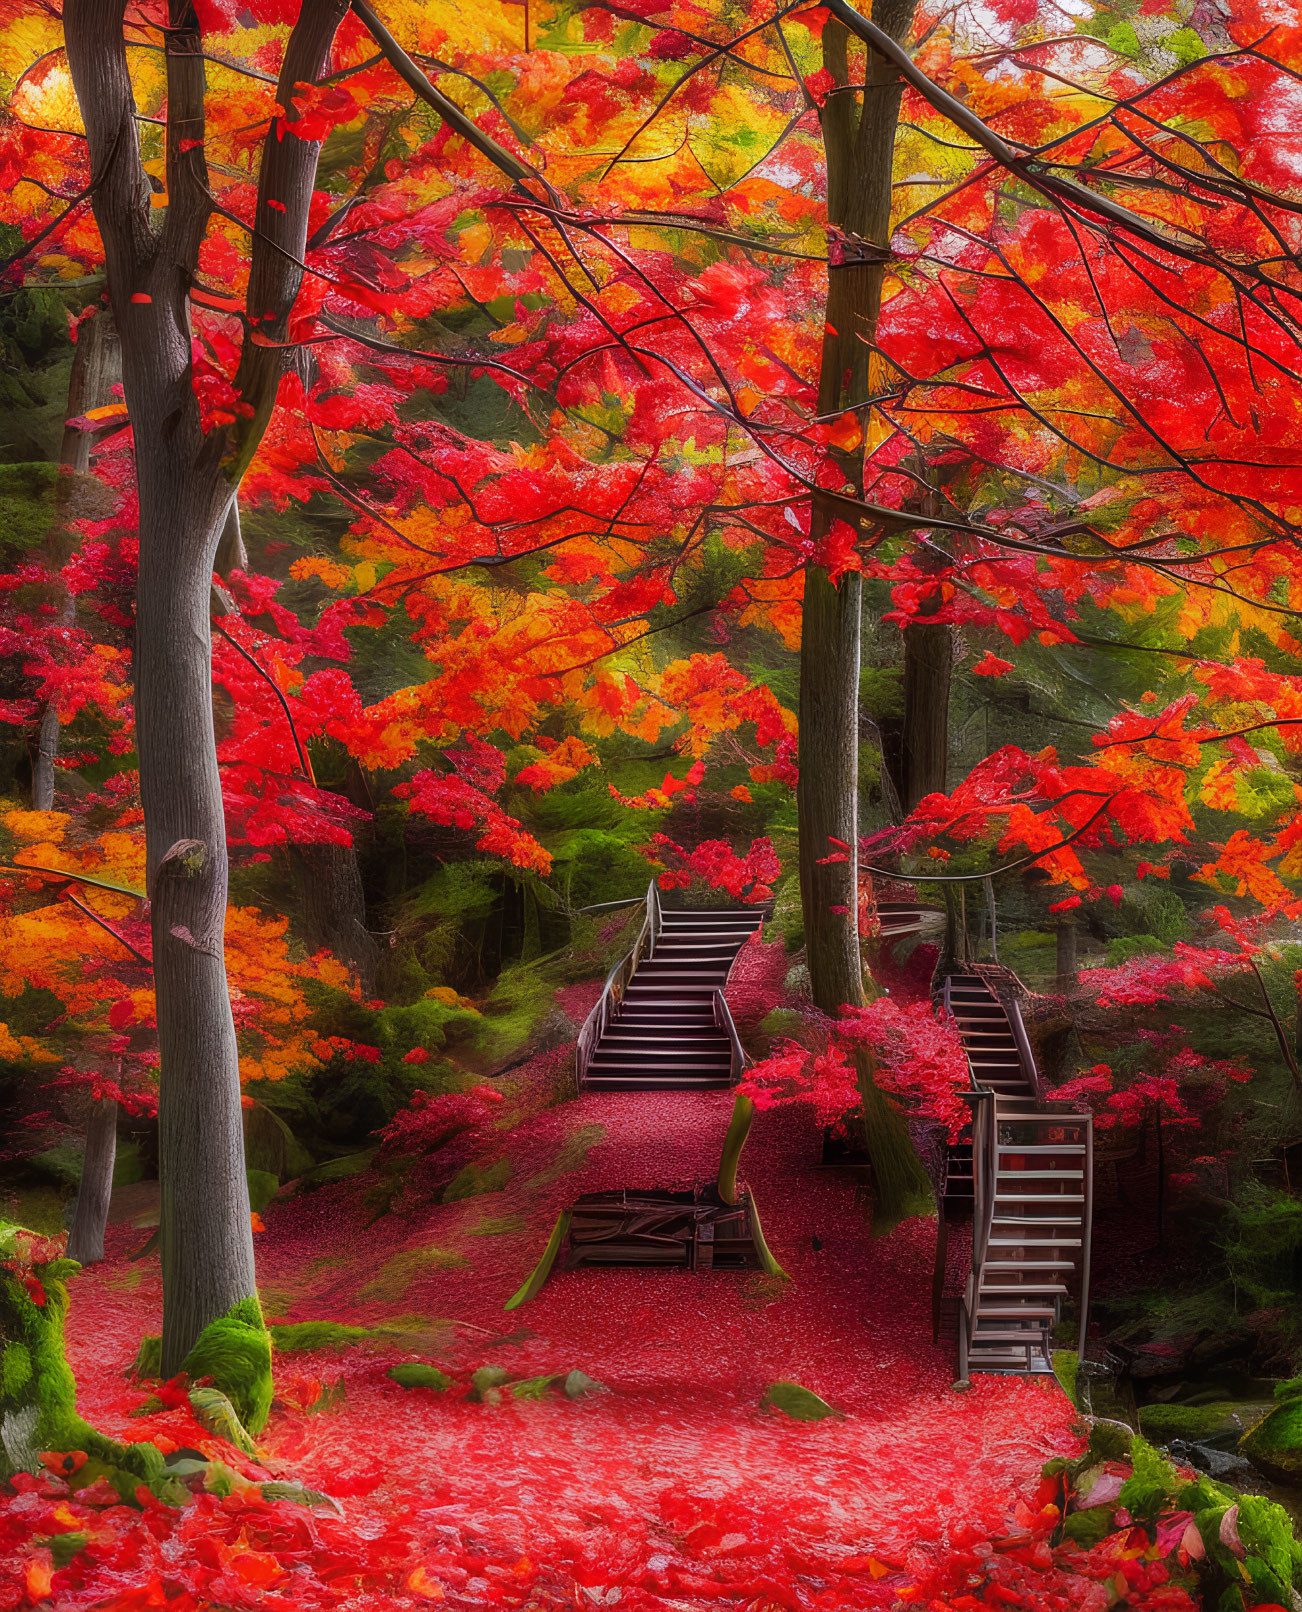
(96, 370)
(924, 745)
(86, 1235)
(860, 141)
(186, 479)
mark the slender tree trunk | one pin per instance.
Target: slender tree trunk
(1068, 973)
(86, 1236)
(96, 370)
(205, 1231)
(860, 142)
(928, 664)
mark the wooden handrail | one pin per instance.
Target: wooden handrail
(723, 1018)
(607, 1006)
(1024, 1053)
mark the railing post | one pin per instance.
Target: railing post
(1087, 1225)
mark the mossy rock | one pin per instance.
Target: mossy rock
(418, 1374)
(487, 1383)
(1274, 1444)
(235, 1352)
(1193, 1423)
(797, 1401)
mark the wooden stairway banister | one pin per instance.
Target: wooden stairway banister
(723, 1018)
(596, 1023)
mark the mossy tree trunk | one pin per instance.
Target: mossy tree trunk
(859, 137)
(86, 1235)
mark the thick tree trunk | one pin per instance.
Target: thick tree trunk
(96, 370)
(859, 141)
(928, 664)
(86, 1235)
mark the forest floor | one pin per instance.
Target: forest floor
(673, 1487)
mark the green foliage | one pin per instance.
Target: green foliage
(235, 1352)
(26, 505)
(1157, 913)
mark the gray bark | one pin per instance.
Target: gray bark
(86, 1235)
(859, 137)
(186, 482)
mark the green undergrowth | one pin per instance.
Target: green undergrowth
(1267, 1563)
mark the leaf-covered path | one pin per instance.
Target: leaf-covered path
(673, 1487)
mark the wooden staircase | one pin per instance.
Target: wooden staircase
(1026, 1170)
(661, 1024)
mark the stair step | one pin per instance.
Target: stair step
(1063, 1198)
(1029, 1264)
(1014, 1312)
(1074, 1148)
(1033, 1337)
(1037, 1289)
(657, 1083)
(1034, 1243)
(1036, 1175)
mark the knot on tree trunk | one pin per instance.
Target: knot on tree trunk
(186, 859)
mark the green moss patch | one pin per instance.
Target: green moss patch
(235, 1352)
(573, 1153)
(397, 1274)
(1275, 1443)
(301, 1335)
(477, 1179)
(1162, 1423)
